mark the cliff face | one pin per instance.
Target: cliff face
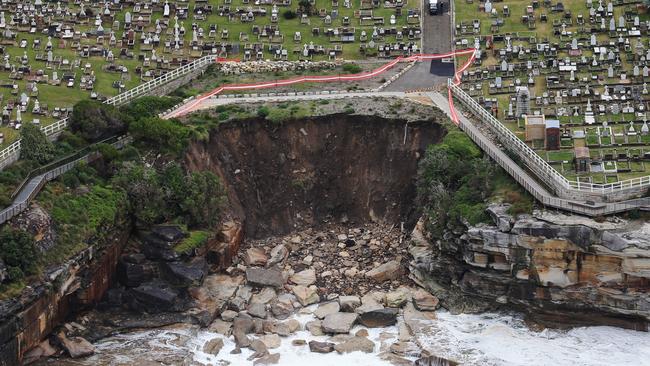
(78, 283)
(344, 167)
(560, 270)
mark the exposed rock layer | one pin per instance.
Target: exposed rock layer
(560, 273)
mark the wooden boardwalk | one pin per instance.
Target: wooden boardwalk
(527, 181)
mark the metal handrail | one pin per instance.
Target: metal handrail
(11, 153)
(56, 169)
(538, 165)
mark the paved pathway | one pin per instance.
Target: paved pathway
(283, 97)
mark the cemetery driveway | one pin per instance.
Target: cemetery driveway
(436, 38)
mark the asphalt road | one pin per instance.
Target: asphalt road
(436, 38)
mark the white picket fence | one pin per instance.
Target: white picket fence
(12, 152)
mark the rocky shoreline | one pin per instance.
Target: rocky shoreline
(341, 275)
(560, 270)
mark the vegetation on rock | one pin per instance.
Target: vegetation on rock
(455, 181)
(35, 145)
(94, 121)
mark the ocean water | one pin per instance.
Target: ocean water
(486, 339)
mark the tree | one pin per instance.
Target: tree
(94, 121)
(305, 6)
(148, 106)
(144, 193)
(162, 134)
(203, 200)
(18, 252)
(35, 145)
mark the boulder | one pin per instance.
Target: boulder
(240, 327)
(133, 274)
(327, 309)
(434, 360)
(278, 255)
(169, 233)
(354, 344)
(76, 346)
(293, 325)
(304, 278)
(266, 295)
(397, 298)
(371, 301)
(184, 274)
(229, 315)
(255, 257)
(270, 359)
(282, 307)
(221, 327)
(264, 277)
(339, 322)
(214, 292)
(153, 297)
(424, 301)
(321, 347)
(298, 342)
(387, 271)
(158, 249)
(406, 349)
(379, 318)
(315, 327)
(271, 340)
(260, 349)
(306, 295)
(257, 309)
(361, 333)
(213, 346)
(501, 217)
(349, 303)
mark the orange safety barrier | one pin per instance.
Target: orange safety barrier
(333, 78)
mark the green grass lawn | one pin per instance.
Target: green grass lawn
(62, 96)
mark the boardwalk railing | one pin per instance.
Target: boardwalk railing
(544, 171)
(29, 188)
(12, 152)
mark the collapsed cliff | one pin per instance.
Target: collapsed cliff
(280, 177)
(560, 270)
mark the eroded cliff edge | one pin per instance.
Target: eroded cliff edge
(560, 270)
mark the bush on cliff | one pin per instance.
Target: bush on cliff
(18, 252)
(165, 135)
(159, 196)
(36, 146)
(148, 106)
(94, 121)
(454, 181)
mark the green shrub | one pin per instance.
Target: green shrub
(94, 121)
(35, 144)
(148, 106)
(18, 252)
(166, 135)
(78, 218)
(351, 68)
(196, 239)
(263, 111)
(289, 14)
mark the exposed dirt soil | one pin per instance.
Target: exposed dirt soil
(284, 177)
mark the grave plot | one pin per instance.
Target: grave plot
(53, 54)
(570, 78)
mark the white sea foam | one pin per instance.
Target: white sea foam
(503, 340)
(486, 339)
